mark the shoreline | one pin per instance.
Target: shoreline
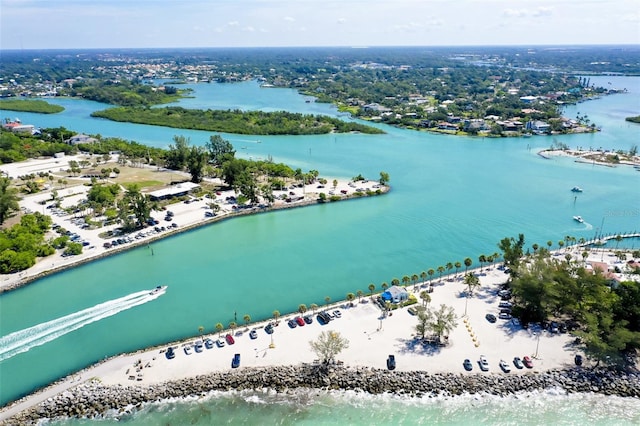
(94, 400)
(27, 279)
(372, 336)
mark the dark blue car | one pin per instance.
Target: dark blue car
(235, 362)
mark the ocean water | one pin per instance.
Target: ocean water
(451, 198)
(313, 407)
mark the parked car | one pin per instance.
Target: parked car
(504, 366)
(292, 324)
(187, 350)
(391, 362)
(578, 359)
(337, 313)
(527, 362)
(504, 315)
(230, 339)
(505, 304)
(220, 342)
(467, 365)
(307, 319)
(208, 343)
(553, 327)
(518, 363)
(300, 321)
(269, 329)
(198, 346)
(491, 318)
(170, 354)
(235, 362)
(253, 334)
(484, 364)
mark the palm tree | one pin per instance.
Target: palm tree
(444, 320)
(302, 308)
(360, 293)
(232, 326)
(471, 281)
(440, 271)
(247, 319)
(567, 257)
(426, 298)
(219, 328)
(549, 244)
(327, 299)
(535, 248)
(405, 280)
(351, 297)
(414, 280)
(585, 254)
(489, 261)
(395, 281)
(276, 315)
(496, 256)
(482, 259)
(384, 286)
(201, 330)
(560, 244)
(457, 265)
(467, 262)
(430, 272)
(371, 288)
(313, 307)
(618, 239)
(423, 276)
(449, 267)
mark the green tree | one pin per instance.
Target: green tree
(431, 271)
(384, 178)
(440, 270)
(8, 199)
(471, 281)
(328, 345)
(313, 307)
(219, 328)
(426, 298)
(351, 297)
(371, 288)
(196, 160)
(200, 331)
(467, 262)
(219, 150)
(276, 315)
(302, 308)
(247, 319)
(443, 321)
(176, 158)
(458, 265)
(424, 318)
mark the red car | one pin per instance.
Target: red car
(230, 339)
(527, 362)
(300, 321)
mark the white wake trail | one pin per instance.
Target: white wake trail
(23, 340)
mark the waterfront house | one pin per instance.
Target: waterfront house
(177, 190)
(80, 138)
(395, 294)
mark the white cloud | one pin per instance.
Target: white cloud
(342, 21)
(233, 23)
(249, 29)
(523, 13)
(289, 19)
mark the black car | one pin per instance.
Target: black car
(269, 329)
(391, 362)
(578, 359)
(308, 319)
(491, 318)
(467, 365)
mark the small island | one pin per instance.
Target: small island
(30, 105)
(635, 119)
(235, 121)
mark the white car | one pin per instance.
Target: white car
(484, 364)
(504, 366)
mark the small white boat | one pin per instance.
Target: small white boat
(158, 289)
(576, 189)
(578, 219)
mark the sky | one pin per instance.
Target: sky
(64, 24)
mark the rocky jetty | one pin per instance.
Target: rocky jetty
(94, 399)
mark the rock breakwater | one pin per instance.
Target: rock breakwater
(93, 399)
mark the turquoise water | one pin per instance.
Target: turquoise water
(348, 408)
(452, 198)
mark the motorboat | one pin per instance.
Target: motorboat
(158, 289)
(576, 189)
(578, 219)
